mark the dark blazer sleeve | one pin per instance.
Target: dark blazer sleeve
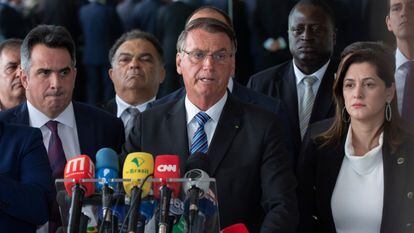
(305, 174)
(25, 190)
(278, 184)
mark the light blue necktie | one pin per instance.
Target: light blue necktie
(200, 143)
(306, 106)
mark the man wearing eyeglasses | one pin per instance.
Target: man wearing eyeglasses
(242, 143)
(305, 83)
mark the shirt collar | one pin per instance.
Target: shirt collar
(122, 105)
(39, 119)
(400, 59)
(318, 74)
(230, 85)
(214, 111)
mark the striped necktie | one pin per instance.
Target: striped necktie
(200, 143)
(133, 113)
(306, 105)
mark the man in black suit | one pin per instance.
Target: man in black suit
(400, 21)
(305, 83)
(48, 75)
(137, 71)
(243, 143)
(236, 89)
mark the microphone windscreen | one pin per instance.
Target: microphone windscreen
(197, 161)
(107, 158)
(78, 168)
(137, 165)
(167, 167)
(196, 177)
(236, 228)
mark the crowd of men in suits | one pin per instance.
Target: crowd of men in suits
(257, 129)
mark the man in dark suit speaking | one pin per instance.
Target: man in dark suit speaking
(243, 143)
(68, 128)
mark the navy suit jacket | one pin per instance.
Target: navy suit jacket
(247, 156)
(280, 82)
(96, 128)
(26, 185)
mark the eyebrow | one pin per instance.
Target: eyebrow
(364, 79)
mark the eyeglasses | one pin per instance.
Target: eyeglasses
(198, 56)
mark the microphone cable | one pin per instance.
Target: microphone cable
(134, 200)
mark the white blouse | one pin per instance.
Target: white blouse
(357, 199)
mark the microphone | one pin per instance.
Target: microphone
(138, 165)
(78, 168)
(235, 228)
(196, 190)
(166, 166)
(107, 167)
(195, 167)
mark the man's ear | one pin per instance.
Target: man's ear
(24, 79)
(178, 60)
(388, 23)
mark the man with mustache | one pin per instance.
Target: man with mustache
(400, 21)
(137, 71)
(69, 128)
(305, 83)
(11, 89)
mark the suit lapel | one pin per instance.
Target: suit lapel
(395, 173)
(227, 127)
(21, 115)
(323, 100)
(290, 96)
(241, 95)
(176, 129)
(85, 130)
(112, 107)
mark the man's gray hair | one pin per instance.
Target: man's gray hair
(210, 25)
(50, 36)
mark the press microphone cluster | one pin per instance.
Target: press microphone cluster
(159, 198)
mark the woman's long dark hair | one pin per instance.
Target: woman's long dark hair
(382, 58)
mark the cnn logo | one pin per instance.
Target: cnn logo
(167, 168)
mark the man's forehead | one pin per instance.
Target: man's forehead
(136, 46)
(10, 54)
(309, 14)
(396, 2)
(197, 38)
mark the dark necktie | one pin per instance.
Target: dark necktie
(57, 162)
(55, 151)
(200, 143)
(133, 112)
(408, 99)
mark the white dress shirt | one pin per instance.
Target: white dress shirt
(358, 196)
(401, 69)
(122, 106)
(67, 130)
(300, 86)
(210, 127)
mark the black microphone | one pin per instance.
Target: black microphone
(196, 168)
